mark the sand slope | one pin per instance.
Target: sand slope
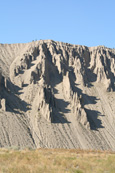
(57, 95)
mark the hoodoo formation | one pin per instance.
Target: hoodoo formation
(57, 95)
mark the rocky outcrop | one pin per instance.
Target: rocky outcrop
(72, 65)
(61, 95)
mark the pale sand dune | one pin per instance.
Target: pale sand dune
(57, 95)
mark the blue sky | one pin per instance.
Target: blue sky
(83, 22)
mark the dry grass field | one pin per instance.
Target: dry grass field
(56, 161)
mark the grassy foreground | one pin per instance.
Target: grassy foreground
(56, 161)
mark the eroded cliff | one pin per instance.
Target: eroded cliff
(61, 96)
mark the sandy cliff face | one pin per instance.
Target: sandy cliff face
(57, 95)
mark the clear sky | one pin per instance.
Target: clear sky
(84, 22)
